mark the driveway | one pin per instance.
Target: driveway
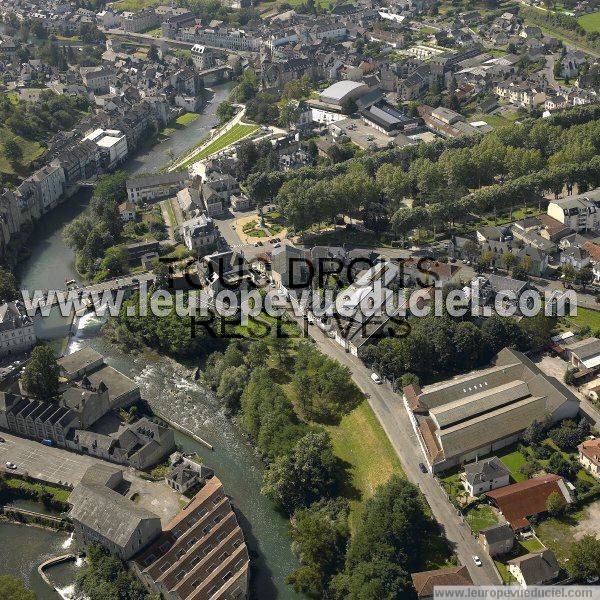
(390, 411)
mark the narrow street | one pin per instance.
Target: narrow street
(390, 411)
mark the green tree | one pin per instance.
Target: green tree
(231, 387)
(225, 111)
(9, 289)
(12, 588)
(309, 474)
(12, 151)
(555, 504)
(389, 543)
(40, 376)
(584, 558)
(319, 537)
(115, 261)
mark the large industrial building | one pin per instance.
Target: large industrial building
(469, 417)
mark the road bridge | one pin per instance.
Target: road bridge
(94, 293)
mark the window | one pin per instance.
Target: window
(164, 566)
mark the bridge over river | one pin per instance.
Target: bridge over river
(94, 293)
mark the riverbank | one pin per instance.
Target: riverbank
(167, 387)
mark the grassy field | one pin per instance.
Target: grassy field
(586, 317)
(481, 517)
(236, 133)
(186, 118)
(495, 120)
(590, 22)
(360, 441)
(57, 493)
(513, 461)
(171, 213)
(133, 5)
(31, 151)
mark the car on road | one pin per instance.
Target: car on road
(2, 440)
(376, 378)
(477, 560)
(10, 465)
(423, 468)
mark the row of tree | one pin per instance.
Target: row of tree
(437, 347)
(446, 182)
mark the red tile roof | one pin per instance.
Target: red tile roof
(521, 500)
(591, 449)
(593, 250)
(425, 581)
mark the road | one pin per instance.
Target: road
(390, 411)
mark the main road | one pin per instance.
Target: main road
(390, 411)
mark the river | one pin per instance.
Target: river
(49, 265)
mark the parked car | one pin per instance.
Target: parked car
(10, 465)
(277, 245)
(257, 244)
(423, 468)
(48, 442)
(2, 440)
(376, 378)
(477, 560)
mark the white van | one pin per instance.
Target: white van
(376, 378)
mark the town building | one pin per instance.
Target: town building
(497, 539)
(112, 145)
(102, 515)
(527, 498)
(485, 475)
(200, 553)
(199, 233)
(578, 213)
(17, 333)
(536, 568)
(589, 456)
(424, 582)
(147, 188)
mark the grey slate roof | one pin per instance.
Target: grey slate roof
(107, 512)
(497, 533)
(537, 567)
(485, 470)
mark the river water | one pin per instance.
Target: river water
(168, 392)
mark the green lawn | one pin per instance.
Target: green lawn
(57, 493)
(360, 441)
(590, 22)
(31, 151)
(586, 317)
(133, 5)
(171, 213)
(186, 118)
(557, 534)
(236, 133)
(495, 120)
(513, 461)
(480, 517)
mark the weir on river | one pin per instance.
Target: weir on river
(166, 390)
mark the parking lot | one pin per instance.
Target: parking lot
(56, 465)
(50, 464)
